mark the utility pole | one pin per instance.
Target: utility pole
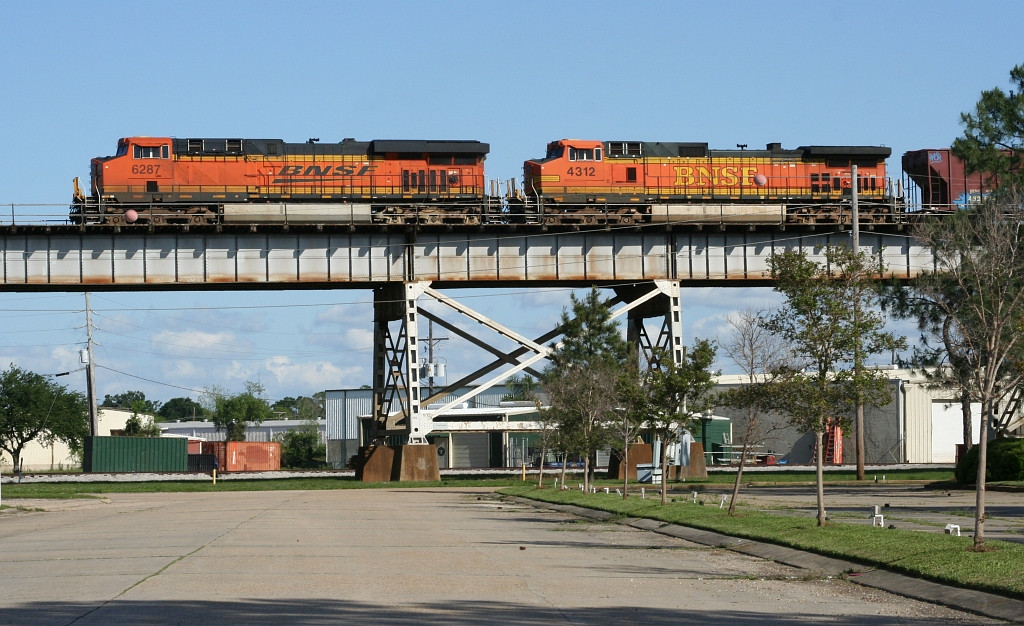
(858, 365)
(431, 366)
(90, 371)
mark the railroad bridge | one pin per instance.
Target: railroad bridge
(646, 267)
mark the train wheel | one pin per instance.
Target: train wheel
(627, 219)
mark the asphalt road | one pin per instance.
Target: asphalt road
(397, 556)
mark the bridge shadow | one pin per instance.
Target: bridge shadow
(332, 611)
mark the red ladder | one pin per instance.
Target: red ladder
(832, 440)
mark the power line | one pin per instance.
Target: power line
(150, 380)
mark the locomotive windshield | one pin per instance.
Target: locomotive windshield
(152, 152)
(555, 151)
(584, 154)
(122, 147)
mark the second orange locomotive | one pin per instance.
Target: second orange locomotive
(637, 181)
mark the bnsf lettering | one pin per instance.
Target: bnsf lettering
(325, 170)
(713, 176)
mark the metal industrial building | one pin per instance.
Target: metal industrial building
(483, 431)
(920, 424)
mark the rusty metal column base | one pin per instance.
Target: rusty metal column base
(381, 464)
(416, 462)
(374, 463)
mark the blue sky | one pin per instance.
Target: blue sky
(77, 76)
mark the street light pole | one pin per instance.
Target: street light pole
(858, 361)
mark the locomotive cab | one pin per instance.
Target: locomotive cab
(139, 172)
(572, 162)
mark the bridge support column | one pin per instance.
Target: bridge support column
(397, 416)
(659, 298)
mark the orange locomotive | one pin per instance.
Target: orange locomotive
(624, 182)
(163, 180)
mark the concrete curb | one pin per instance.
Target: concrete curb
(979, 602)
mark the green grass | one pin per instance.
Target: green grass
(933, 556)
(77, 490)
(808, 476)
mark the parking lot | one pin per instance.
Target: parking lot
(396, 555)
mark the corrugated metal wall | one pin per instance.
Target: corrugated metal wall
(344, 406)
(342, 409)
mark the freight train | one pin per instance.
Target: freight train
(578, 183)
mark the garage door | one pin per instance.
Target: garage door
(948, 429)
(470, 450)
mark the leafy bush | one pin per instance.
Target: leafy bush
(301, 448)
(136, 426)
(1005, 462)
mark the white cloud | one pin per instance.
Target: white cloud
(186, 343)
(311, 377)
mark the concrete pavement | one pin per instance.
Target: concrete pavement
(398, 556)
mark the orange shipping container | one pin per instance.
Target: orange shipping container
(245, 456)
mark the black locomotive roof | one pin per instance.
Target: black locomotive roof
(278, 147)
(417, 145)
(636, 149)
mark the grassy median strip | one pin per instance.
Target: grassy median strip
(934, 556)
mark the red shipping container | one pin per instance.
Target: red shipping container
(217, 449)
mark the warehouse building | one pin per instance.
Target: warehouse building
(920, 424)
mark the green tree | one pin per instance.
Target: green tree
(136, 426)
(581, 378)
(302, 407)
(131, 401)
(678, 392)
(302, 447)
(758, 353)
(941, 355)
(979, 258)
(523, 389)
(828, 328)
(634, 410)
(31, 407)
(993, 140)
(235, 413)
(181, 409)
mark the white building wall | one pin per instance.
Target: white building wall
(932, 421)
